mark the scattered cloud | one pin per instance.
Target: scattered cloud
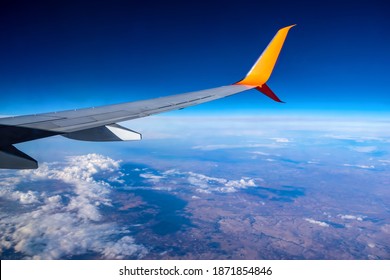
(351, 217)
(358, 138)
(242, 183)
(386, 228)
(340, 137)
(9, 181)
(364, 149)
(123, 247)
(151, 177)
(261, 153)
(236, 146)
(315, 222)
(360, 166)
(281, 140)
(67, 223)
(201, 182)
(214, 184)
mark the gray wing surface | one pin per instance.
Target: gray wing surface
(71, 121)
(94, 124)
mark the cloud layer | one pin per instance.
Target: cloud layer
(67, 221)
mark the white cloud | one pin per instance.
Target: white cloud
(360, 166)
(207, 184)
(201, 180)
(386, 228)
(365, 149)
(315, 222)
(69, 223)
(351, 217)
(218, 147)
(281, 140)
(261, 153)
(242, 183)
(235, 146)
(151, 177)
(10, 193)
(362, 138)
(125, 244)
(203, 191)
(171, 172)
(9, 181)
(340, 137)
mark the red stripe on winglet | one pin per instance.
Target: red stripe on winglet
(267, 91)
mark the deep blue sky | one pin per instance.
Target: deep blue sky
(76, 54)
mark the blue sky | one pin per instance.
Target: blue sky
(76, 54)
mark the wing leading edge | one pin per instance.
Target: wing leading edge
(100, 123)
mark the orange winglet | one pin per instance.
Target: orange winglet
(262, 69)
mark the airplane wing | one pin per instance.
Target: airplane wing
(100, 123)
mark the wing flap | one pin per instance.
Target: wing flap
(112, 132)
(12, 158)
